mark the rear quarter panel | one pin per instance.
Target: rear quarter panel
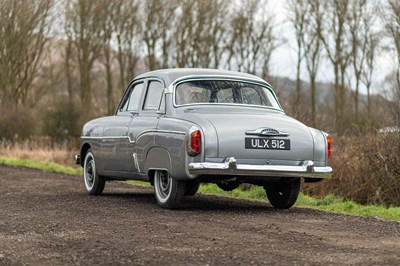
(172, 136)
(320, 147)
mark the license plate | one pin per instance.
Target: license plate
(268, 144)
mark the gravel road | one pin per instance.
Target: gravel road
(48, 219)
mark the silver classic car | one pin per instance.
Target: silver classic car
(177, 128)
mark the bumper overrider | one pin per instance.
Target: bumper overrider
(77, 159)
(231, 167)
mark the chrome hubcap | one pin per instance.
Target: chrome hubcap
(164, 184)
(90, 177)
(89, 174)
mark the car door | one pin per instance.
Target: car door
(115, 140)
(144, 126)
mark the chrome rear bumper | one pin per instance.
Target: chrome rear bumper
(231, 167)
(77, 159)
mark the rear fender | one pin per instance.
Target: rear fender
(158, 159)
(320, 147)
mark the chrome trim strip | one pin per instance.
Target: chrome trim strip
(231, 167)
(170, 89)
(222, 77)
(106, 137)
(165, 131)
(229, 104)
(109, 137)
(136, 162)
(160, 131)
(141, 133)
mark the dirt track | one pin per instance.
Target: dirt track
(47, 219)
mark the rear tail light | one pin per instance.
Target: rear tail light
(329, 141)
(194, 142)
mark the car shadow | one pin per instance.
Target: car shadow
(200, 202)
(139, 197)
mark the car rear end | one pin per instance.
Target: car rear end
(246, 133)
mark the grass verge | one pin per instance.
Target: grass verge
(44, 166)
(329, 203)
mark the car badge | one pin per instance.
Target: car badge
(267, 131)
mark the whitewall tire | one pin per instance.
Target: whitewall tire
(94, 183)
(168, 191)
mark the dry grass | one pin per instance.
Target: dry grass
(366, 170)
(40, 150)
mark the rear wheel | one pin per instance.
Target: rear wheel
(191, 188)
(94, 183)
(168, 191)
(283, 196)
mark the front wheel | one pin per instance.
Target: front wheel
(94, 183)
(283, 196)
(168, 191)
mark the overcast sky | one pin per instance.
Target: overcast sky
(283, 61)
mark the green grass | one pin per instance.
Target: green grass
(334, 204)
(329, 203)
(138, 183)
(44, 166)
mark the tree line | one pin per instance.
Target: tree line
(68, 61)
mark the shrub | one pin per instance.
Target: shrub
(62, 123)
(16, 124)
(366, 170)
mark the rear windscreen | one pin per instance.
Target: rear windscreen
(224, 91)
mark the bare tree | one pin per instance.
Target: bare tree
(372, 40)
(218, 16)
(158, 19)
(252, 39)
(198, 35)
(299, 13)
(313, 49)
(111, 15)
(68, 69)
(392, 25)
(23, 29)
(334, 35)
(371, 47)
(184, 33)
(360, 20)
(127, 29)
(85, 29)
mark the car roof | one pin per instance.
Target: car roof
(170, 75)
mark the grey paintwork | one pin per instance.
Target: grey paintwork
(129, 145)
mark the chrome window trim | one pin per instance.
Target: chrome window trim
(172, 89)
(148, 81)
(136, 162)
(127, 95)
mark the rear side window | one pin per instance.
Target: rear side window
(153, 95)
(134, 98)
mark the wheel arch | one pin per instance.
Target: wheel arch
(157, 159)
(84, 149)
